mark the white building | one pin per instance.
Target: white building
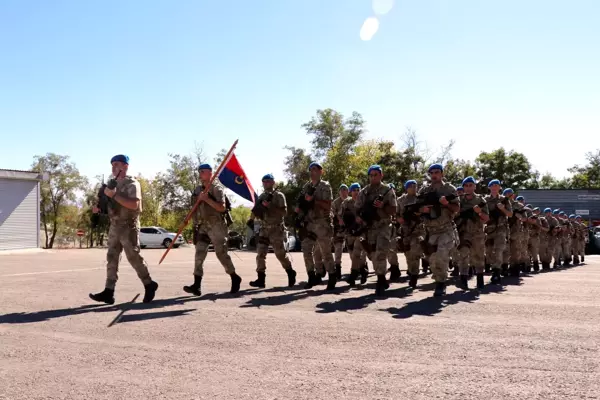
(19, 209)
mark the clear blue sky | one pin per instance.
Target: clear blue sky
(143, 77)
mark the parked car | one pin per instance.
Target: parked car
(289, 244)
(234, 241)
(155, 236)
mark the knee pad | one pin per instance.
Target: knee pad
(264, 240)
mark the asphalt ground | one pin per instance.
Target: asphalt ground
(536, 337)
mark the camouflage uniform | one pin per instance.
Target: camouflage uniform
(320, 230)
(554, 247)
(357, 254)
(211, 227)
(338, 238)
(123, 234)
(441, 235)
(412, 232)
(517, 239)
(318, 257)
(272, 231)
(544, 238)
(496, 231)
(379, 231)
(392, 255)
(565, 241)
(534, 242)
(471, 250)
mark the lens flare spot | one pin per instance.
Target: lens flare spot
(382, 7)
(369, 28)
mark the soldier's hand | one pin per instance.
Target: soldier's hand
(443, 201)
(378, 203)
(110, 192)
(425, 210)
(203, 196)
(308, 197)
(265, 203)
(500, 206)
(95, 210)
(477, 209)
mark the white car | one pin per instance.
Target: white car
(289, 244)
(155, 236)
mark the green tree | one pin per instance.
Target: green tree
(64, 181)
(180, 180)
(152, 195)
(513, 169)
(456, 170)
(240, 215)
(587, 176)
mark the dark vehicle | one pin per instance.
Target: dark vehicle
(234, 241)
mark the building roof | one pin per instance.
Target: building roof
(22, 175)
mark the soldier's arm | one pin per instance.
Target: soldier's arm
(280, 204)
(325, 203)
(484, 215)
(391, 203)
(507, 210)
(133, 199)
(454, 204)
(219, 202)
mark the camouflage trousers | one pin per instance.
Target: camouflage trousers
(534, 248)
(545, 250)
(378, 237)
(579, 246)
(471, 253)
(319, 233)
(515, 252)
(495, 245)
(413, 252)
(214, 231)
(555, 246)
(392, 256)
(565, 247)
(357, 255)
(443, 242)
(124, 238)
(275, 236)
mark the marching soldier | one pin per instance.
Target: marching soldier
(318, 197)
(319, 264)
(440, 231)
(512, 260)
(471, 220)
(271, 209)
(554, 243)
(412, 231)
(210, 227)
(124, 232)
(535, 225)
(347, 215)
(544, 237)
(497, 230)
(393, 253)
(583, 234)
(573, 237)
(565, 238)
(377, 204)
(338, 238)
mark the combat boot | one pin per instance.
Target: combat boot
(424, 265)
(527, 268)
(454, 269)
(463, 282)
(515, 270)
(331, 282)
(480, 283)
(381, 285)
(260, 282)
(291, 277)
(150, 291)
(582, 258)
(235, 283)
(556, 264)
(545, 266)
(536, 266)
(440, 289)
(394, 273)
(312, 278)
(351, 280)
(575, 260)
(364, 274)
(496, 277)
(318, 279)
(504, 269)
(195, 288)
(471, 272)
(338, 272)
(488, 268)
(413, 281)
(322, 272)
(567, 261)
(106, 296)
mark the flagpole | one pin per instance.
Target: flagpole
(197, 203)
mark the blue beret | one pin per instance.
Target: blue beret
(342, 186)
(572, 216)
(555, 211)
(408, 183)
(205, 166)
(469, 179)
(562, 213)
(460, 188)
(374, 168)
(314, 164)
(120, 158)
(435, 166)
(391, 185)
(547, 209)
(519, 198)
(508, 191)
(494, 182)
(355, 185)
(578, 216)
(536, 209)
(268, 177)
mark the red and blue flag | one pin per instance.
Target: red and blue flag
(233, 177)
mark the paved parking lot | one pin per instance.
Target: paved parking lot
(535, 338)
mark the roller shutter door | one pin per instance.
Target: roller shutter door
(19, 215)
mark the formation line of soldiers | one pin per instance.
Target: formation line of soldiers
(436, 226)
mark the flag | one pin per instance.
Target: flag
(232, 176)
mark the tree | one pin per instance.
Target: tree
(152, 195)
(180, 180)
(456, 170)
(296, 166)
(330, 130)
(219, 157)
(64, 180)
(240, 216)
(512, 169)
(587, 176)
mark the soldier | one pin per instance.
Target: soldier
(574, 237)
(210, 226)
(583, 234)
(347, 215)
(496, 229)
(377, 204)
(319, 265)
(271, 209)
(470, 224)
(338, 238)
(393, 253)
(565, 239)
(412, 231)
(544, 238)
(555, 236)
(516, 235)
(454, 254)
(440, 232)
(123, 234)
(535, 226)
(318, 197)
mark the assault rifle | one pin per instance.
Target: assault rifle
(429, 199)
(305, 206)
(104, 202)
(368, 212)
(259, 210)
(352, 227)
(467, 214)
(496, 214)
